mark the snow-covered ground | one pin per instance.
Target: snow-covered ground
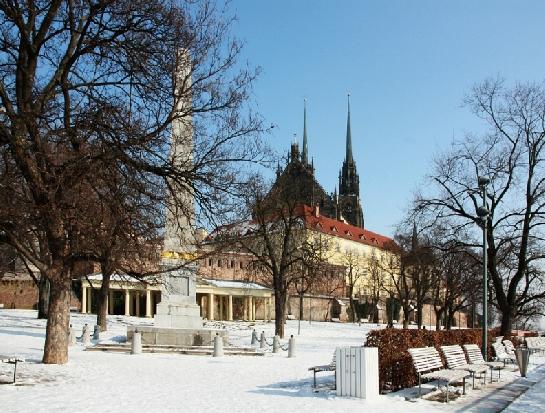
(112, 382)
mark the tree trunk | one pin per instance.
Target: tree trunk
(300, 307)
(375, 312)
(353, 309)
(43, 297)
(419, 316)
(438, 316)
(58, 323)
(103, 293)
(506, 322)
(280, 312)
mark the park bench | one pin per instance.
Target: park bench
(535, 344)
(456, 360)
(326, 367)
(429, 366)
(501, 354)
(475, 356)
(509, 347)
(14, 361)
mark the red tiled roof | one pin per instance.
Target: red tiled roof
(342, 230)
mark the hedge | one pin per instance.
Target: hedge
(396, 369)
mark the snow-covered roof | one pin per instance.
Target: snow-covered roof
(116, 276)
(234, 284)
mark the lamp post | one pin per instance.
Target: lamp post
(483, 213)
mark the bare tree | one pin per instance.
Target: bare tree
(85, 85)
(356, 271)
(284, 253)
(511, 155)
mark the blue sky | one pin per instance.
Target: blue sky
(407, 65)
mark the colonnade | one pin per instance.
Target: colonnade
(128, 294)
(224, 305)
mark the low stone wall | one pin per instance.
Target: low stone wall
(18, 294)
(318, 308)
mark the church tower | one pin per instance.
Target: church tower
(349, 184)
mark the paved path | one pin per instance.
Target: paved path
(514, 396)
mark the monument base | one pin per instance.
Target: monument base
(178, 315)
(176, 336)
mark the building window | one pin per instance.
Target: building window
(219, 263)
(232, 263)
(241, 265)
(209, 262)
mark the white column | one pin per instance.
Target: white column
(83, 300)
(210, 306)
(137, 303)
(230, 309)
(220, 301)
(202, 305)
(245, 308)
(253, 308)
(90, 300)
(148, 303)
(127, 302)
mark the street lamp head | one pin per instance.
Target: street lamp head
(483, 181)
(482, 212)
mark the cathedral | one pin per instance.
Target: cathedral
(298, 175)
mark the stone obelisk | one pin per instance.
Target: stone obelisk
(178, 307)
(177, 320)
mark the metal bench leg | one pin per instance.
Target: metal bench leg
(14, 371)
(473, 381)
(464, 385)
(419, 386)
(447, 391)
(314, 378)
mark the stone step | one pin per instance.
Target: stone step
(167, 346)
(202, 351)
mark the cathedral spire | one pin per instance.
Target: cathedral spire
(305, 140)
(414, 238)
(348, 135)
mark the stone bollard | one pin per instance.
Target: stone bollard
(254, 338)
(291, 347)
(218, 346)
(262, 340)
(86, 336)
(96, 333)
(136, 347)
(72, 336)
(276, 344)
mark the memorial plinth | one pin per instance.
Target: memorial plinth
(177, 321)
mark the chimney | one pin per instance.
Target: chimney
(317, 211)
